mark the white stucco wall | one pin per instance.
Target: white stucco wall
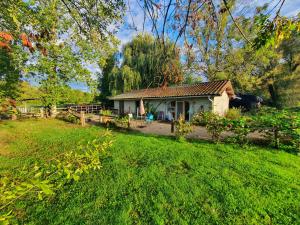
(116, 105)
(129, 107)
(221, 104)
(200, 104)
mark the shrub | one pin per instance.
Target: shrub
(233, 114)
(182, 128)
(278, 125)
(122, 121)
(215, 126)
(42, 181)
(105, 112)
(201, 118)
(241, 128)
(214, 123)
(68, 118)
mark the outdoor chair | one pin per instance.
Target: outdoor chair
(149, 118)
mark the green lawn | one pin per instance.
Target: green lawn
(157, 180)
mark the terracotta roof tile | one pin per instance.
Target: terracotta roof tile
(200, 89)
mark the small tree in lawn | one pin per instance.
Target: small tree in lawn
(182, 128)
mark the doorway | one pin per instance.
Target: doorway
(180, 109)
(183, 108)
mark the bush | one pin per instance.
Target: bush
(105, 112)
(214, 123)
(233, 114)
(68, 118)
(279, 126)
(182, 128)
(122, 121)
(201, 118)
(215, 126)
(241, 128)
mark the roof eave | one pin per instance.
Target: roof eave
(172, 97)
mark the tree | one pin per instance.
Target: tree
(123, 79)
(146, 62)
(60, 37)
(158, 64)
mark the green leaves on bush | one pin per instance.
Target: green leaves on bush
(240, 128)
(42, 181)
(122, 121)
(106, 112)
(233, 113)
(182, 128)
(278, 126)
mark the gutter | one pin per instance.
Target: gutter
(170, 97)
(212, 102)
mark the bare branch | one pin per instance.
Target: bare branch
(235, 23)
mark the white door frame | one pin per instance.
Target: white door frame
(183, 109)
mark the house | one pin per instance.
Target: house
(171, 102)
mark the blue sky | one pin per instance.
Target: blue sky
(126, 33)
(135, 16)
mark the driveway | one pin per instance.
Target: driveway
(164, 128)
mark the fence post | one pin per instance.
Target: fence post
(82, 118)
(42, 112)
(128, 122)
(172, 126)
(100, 116)
(13, 116)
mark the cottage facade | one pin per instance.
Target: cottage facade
(171, 102)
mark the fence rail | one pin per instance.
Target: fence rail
(87, 109)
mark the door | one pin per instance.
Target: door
(179, 110)
(121, 107)
(186, 111)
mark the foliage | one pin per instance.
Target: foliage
(43, 181)
(123, 80)
(121, 121)
(182, 128)
(68, 117)
(157, 63)
(55, 51)
(233, 113)
(214, 123)
(8, 108)
(241, 127)
(146, 63)
(279, 126)
(106, 112)
(201, 118)
(148, 179)
(272, 33)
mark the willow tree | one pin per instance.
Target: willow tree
(157, 63)
(146, 62)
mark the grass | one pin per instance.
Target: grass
(157, 180)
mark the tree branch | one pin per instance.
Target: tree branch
(235, 23)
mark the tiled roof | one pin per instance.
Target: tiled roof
(200, 89)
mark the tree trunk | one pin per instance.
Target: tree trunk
(274, 95)
(53, 111)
